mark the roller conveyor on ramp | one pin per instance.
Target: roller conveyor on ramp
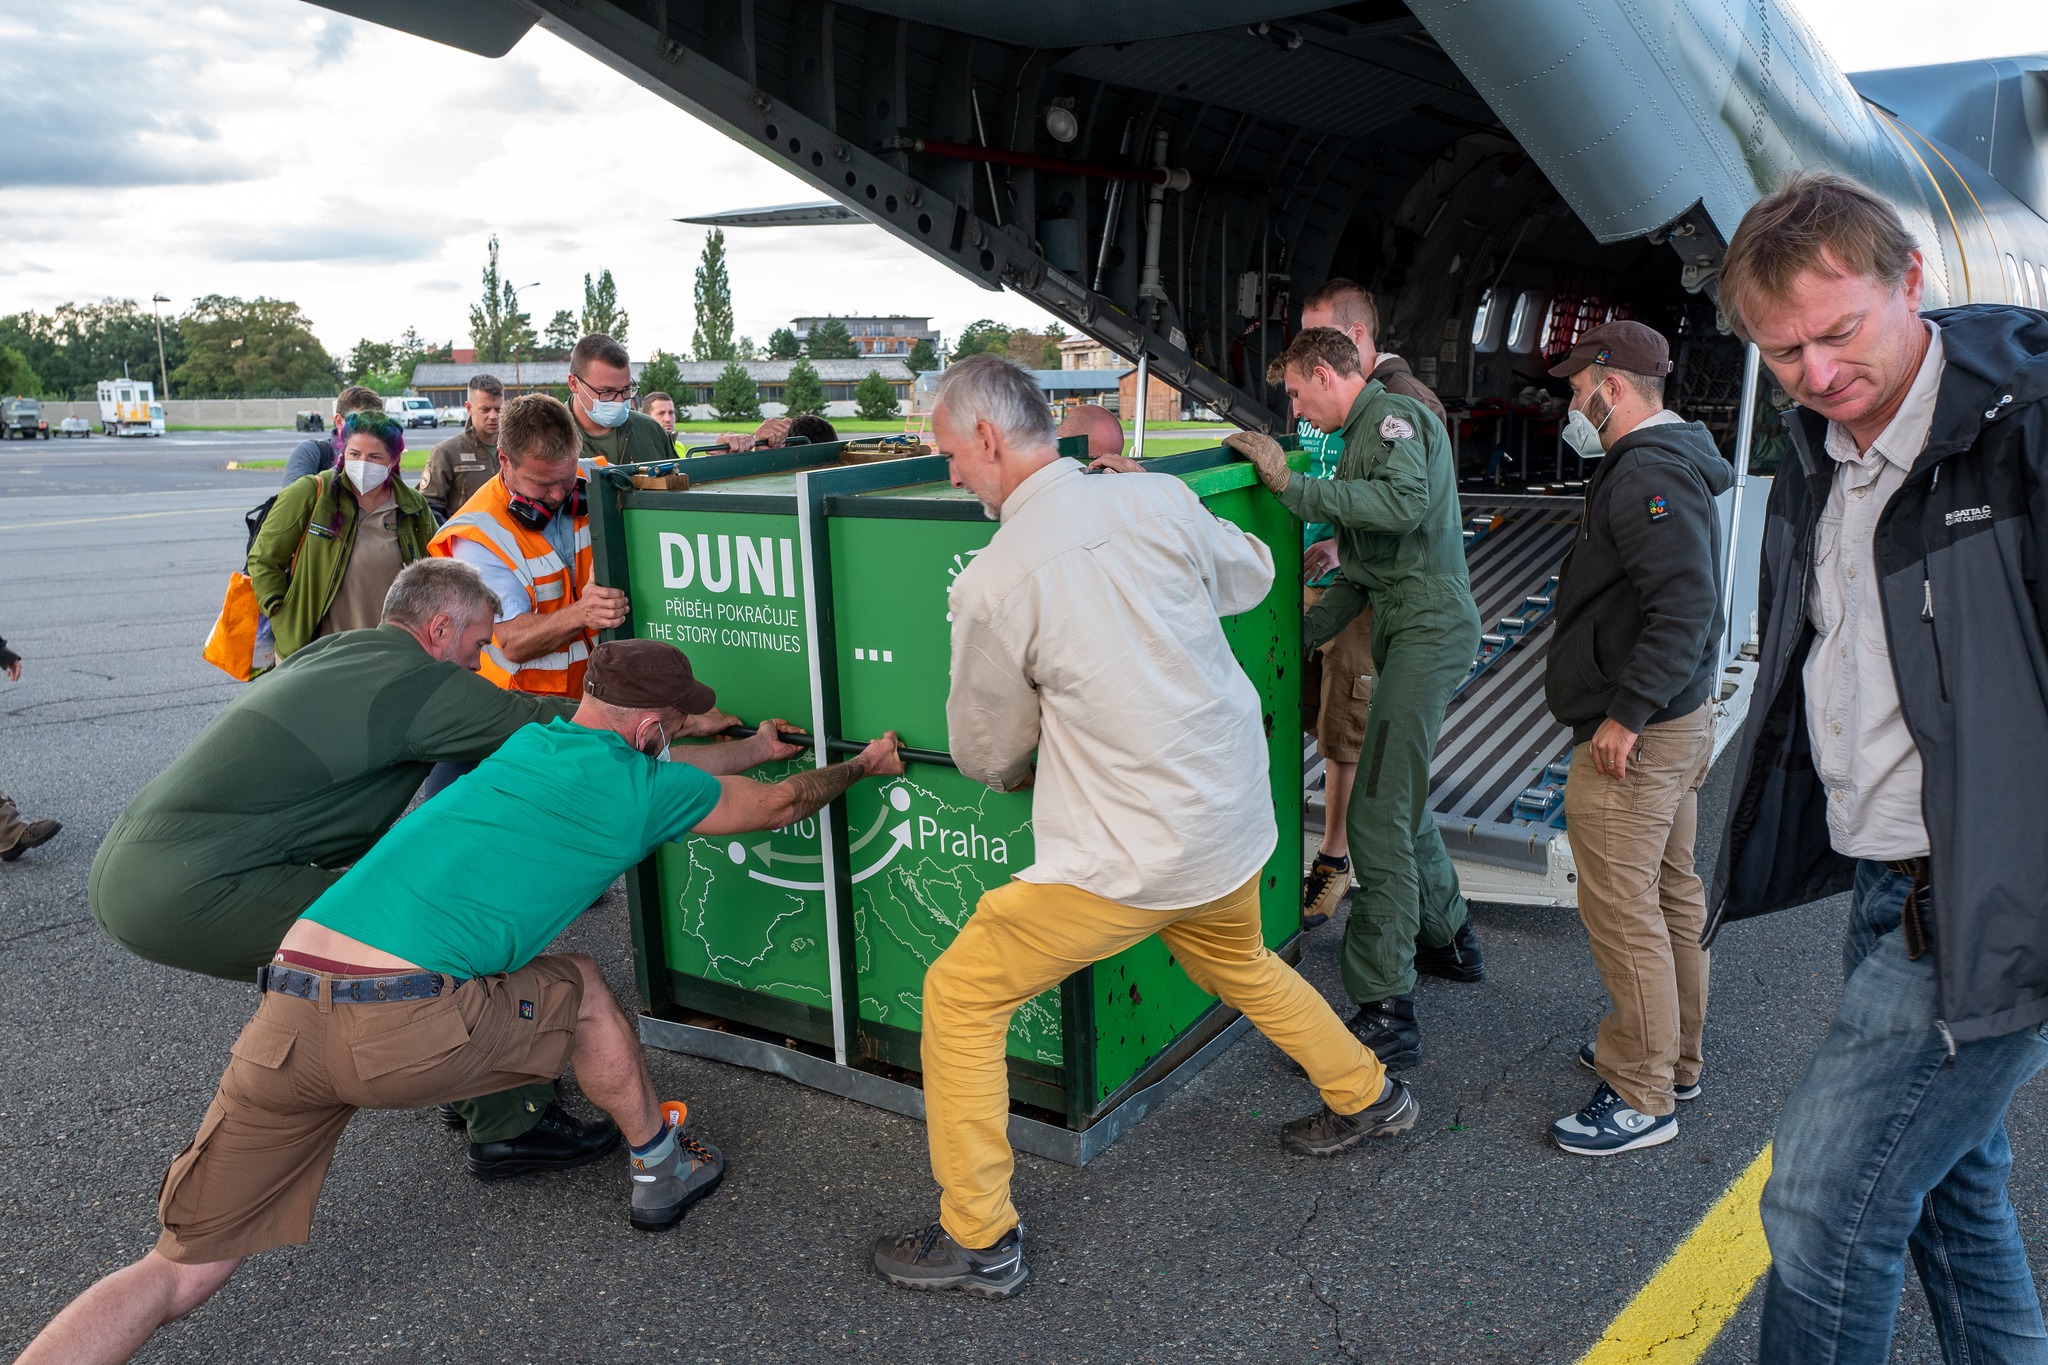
(1497, 786)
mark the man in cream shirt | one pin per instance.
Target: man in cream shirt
(1089, 631)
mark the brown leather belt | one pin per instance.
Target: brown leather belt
(1912, 921)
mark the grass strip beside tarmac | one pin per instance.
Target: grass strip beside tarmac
(1677, 1315)
(413, 460)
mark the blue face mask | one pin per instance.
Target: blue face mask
(609, 412)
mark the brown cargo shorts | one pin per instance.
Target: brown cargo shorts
(1347, 687)
(300, 1070)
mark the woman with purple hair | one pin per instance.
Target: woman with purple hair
(334, 542)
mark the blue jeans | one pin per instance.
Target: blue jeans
(1890, 1143)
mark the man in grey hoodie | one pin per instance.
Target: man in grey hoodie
(1631, 670)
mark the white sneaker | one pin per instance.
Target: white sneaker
(1607, 1126)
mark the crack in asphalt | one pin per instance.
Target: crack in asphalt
(1315, 1209)
(80, 924)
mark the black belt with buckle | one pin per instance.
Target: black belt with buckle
(1912, 920)
(355, 990)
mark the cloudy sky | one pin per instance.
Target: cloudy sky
(271, 147)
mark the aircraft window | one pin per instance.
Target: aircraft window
(2030, 276)
(1522, 326)
(1487, 321)
(2012, 278)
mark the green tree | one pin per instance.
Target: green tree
(601, 311)
(413, 349)
(15, 375)
(875, 399)
(76, 345)
(983, 334)
(734, 397)
(259, 345)
(921, 357)
(390, 383)
(369, 357)
(560, 338)
(782, 345)
(745, 349)
(497, 326)
(802, 392)
(713, 337)
(664, 374)
(829, 341)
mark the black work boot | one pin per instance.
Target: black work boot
(559, 1142)
(1388, 1027)
(1332, 1134)
(1457, 960)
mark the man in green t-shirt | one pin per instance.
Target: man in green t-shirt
(418, 978)
(216, 858)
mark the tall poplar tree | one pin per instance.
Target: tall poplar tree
(601, 311)
(713, 337)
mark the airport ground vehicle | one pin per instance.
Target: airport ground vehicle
(22, 417)
(309, 419)
(453, 417)
(412, 412)
(128, 407)
(74, 426)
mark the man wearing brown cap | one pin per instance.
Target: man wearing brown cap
(1632, 666)
(419, 978)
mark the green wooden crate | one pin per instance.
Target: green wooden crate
(749, 936)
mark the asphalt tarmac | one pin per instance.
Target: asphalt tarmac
(1192, 1239)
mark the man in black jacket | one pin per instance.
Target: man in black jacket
(1631, 669)
(1898, 745)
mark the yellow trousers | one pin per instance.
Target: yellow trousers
(1026, 937)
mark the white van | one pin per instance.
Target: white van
(412, 412)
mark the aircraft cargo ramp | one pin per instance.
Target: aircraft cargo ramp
(1497, 786)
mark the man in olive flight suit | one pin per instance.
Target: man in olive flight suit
(1400, 546)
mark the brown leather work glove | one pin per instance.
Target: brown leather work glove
(1266, 456)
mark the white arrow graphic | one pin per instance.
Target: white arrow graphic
(899, 838)
(767, 854)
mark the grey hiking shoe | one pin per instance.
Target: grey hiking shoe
(1332, 1134)
(929, 1258)
(664, 1190)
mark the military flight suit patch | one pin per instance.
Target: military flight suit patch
(526, 1009)
(1396, 429)
(1657, 507)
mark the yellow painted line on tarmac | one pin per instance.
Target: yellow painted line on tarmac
(124, 516)
(1694, 1293)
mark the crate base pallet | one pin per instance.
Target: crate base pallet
(725, 1041)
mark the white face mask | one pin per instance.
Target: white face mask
(367, 475)
(1583, 436)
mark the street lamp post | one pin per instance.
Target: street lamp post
(162, 370)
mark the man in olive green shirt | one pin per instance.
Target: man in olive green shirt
(601, 397)
(1394, 504)
(213, 861)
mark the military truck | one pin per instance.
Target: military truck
(23, 417)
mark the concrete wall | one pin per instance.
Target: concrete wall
(225, 412)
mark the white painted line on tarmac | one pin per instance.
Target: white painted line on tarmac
(122, 516)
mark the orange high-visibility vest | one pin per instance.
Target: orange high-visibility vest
(486, 519)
